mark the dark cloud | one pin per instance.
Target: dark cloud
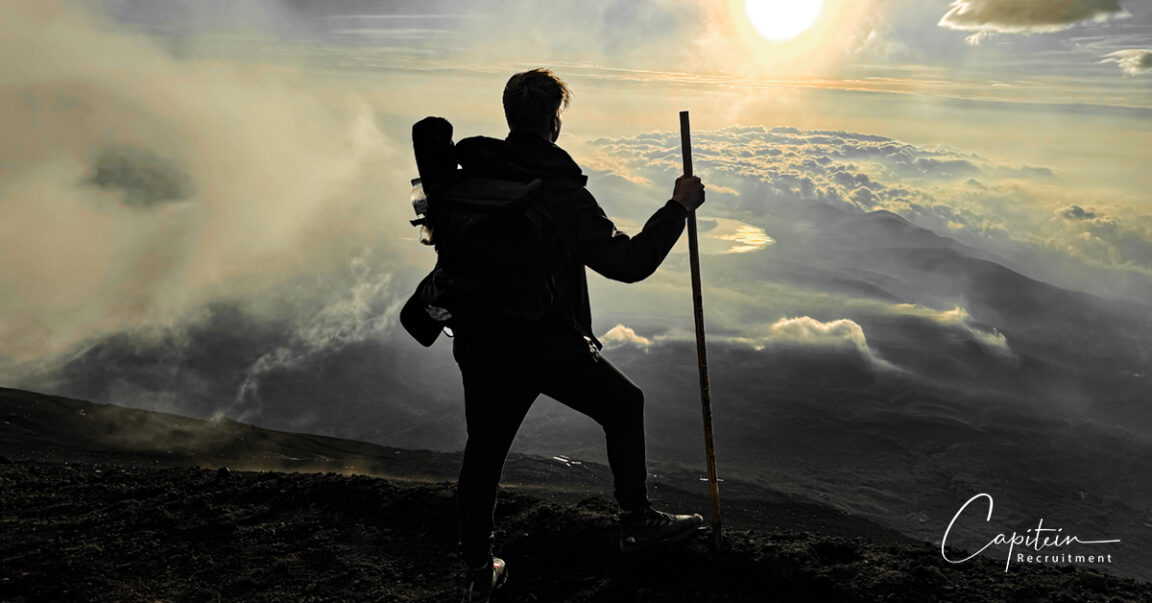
(944, 168)
(851, 180)
(1075, 212)
(142, 177)
(1025, 16)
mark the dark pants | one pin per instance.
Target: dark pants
(504, 372)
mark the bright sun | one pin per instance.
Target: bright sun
(780, 20)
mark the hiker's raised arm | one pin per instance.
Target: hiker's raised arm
(595, 241)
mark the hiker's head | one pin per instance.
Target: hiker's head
(533, 101)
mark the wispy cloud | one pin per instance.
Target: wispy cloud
(366, 309)
(958, 318)
(1135, 61)
(839, 336)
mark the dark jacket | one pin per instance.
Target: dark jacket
(587, 236)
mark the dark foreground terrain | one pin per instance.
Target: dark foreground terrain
(144, 523)
(84, 532)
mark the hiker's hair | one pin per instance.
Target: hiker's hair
(533, 98)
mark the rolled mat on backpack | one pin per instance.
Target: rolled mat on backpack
(435, 152)
(436, 163)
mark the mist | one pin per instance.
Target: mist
(138, 187)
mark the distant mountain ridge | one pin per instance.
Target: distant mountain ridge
(912, 264)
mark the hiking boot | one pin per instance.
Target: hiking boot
(483, 580)
(648, 529)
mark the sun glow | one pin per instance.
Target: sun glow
(780, 20)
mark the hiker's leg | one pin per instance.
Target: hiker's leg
(587, 382)
(497, 395)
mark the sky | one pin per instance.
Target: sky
(122, 115)
(930, 216)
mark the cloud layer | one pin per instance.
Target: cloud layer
(1020, 213)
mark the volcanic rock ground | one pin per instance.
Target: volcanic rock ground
(103, 503)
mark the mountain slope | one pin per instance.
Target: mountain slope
(36, 427)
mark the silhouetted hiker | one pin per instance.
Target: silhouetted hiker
(507, 362)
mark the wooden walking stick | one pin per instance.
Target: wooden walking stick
(701, 350)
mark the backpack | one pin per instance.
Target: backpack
(497, 257)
